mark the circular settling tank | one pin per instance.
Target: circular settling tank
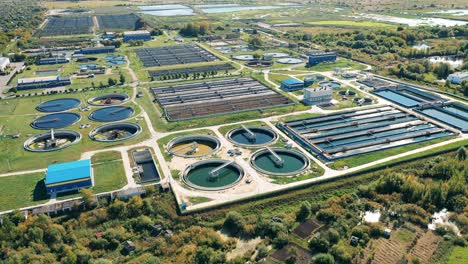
(58, 105)
(112, 113)
(193, 146)
(111, 57)
(347, 93)
(331, 84)
(276, 54)
(252, 136)
(108, 99)
(289, 61)
(115, 132)
(115, 62)
(260, 63)
(45, 142)
(365, 100)
(57, 120)
(212, 175)
(279, 161)
(246, 57)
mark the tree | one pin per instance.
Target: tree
(447, 83)
(323, 259)
(257, 55)
(122, 78)
(89, 199)
(116, 210)
(255, 42)
(234, 223)
(195, 29)
(281, 239)
(464, 87)
(319, 244)
(117, 43)
(304, 211)
(461, 154)
(442, 70)
(111, 82)
(206, 255)
(262, 252)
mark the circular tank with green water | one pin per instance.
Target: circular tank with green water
(252, 136)
(212, 175)
(279, 161)
(193, 146)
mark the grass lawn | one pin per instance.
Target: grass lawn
(22, 190)
(351, 23)
(17, 119)
(109, 176)
(455, 145)
(348, 102)
(298, 117)
(224, 129)
(340, 63)
(370, 157)
(26, 105)
(404, 236)
(313, 173)
(199, 200)
(458, 255)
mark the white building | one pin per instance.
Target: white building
(4, 62)
(313, 96)
(458, 77)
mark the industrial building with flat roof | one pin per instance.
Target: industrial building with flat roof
(96, 50)
(136, 35)
(314, 96)
(316, 57)
(458, 77)
(291, 84)
(69, 176)
(55, 60)
(42, 82)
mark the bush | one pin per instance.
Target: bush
(319, 244)
(323, 259)
(304, 212)
(262, 252)
(281, 240)
(234, 223)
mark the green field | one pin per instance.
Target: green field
(22, 190)
(370, 157)
(350, 23)
(340, 63)
(345, 101)
(459, 255)
(109, 172)
(17, 114)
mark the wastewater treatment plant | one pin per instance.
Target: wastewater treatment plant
(233, 132)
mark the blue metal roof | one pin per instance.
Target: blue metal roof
(291, 81)
(68, 171)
